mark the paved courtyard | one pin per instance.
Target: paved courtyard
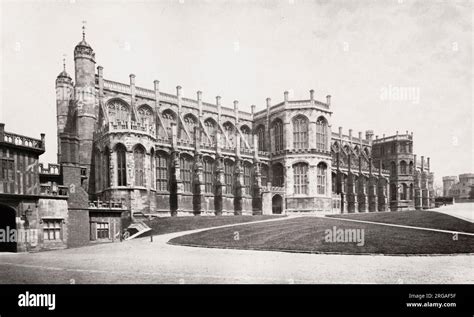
(142, 261)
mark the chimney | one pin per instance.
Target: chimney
(422, 163)
(328, 100)
(311, 95)
(252, 107)
(428, 163)
(285, 97)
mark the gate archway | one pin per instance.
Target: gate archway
(7, 223)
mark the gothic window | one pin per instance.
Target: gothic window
(208, 175)
(162, 171)
(145, 115)
(191, 123)
(403, 194)
(247, 136)
(393, 192)
(139, 158)
(98, 169)
(300, 174)
(264, 174)
(106, 164)
(410, 168)
(321, 178)
(261, 138)
(403, 167)
(118, 110)
(393, 169)
(278, 175)
(211, 130)
(321, 134)
(278, 134)
(152, 168)
(168, 119)
(247, 178)
(300, 132)
(186, 167)
(229, 131)
(411, 192)
(229, 176)
(121, 165)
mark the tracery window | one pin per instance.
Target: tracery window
(300, 174)
(300, 132)
(321, 178)
(186, 168)
(321, 134)
(139, 158)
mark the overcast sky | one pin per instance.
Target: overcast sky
(360, 52)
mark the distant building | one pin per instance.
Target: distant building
(462, 189)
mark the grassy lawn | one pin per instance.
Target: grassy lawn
(308, 235)
(176, 224)
(418, 218)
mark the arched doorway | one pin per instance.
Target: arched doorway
(7, 223)
(277, 204)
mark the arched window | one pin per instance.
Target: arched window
(278, 175)
(229, 176)
(261, 138)
(106, 165)
(118, 111)
(191, 123)
(162, 171)
(321, 178)
(321, 134)
(411, 192)
(121, 165)
(248, 176)
(139, 158)
(278, 134)
(300, 174)
(168, 119)
(98, 169)
(211, 126)
(393, 192)
(247, 136)
(403, 167)
(186, 167)
(208, 175)
(410, 168)
(264, 174)
(230, 133)
(152, 168)
(145, 115)
(393, 169)
(404, 193)
(300, 132)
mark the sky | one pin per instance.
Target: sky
(390, 65)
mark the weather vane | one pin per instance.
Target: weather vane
(84, 22)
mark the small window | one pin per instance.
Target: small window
(52, 229)
(102, 230)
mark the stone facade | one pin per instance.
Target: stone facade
(162, 154)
